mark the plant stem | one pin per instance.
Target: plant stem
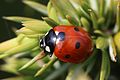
(43, 69)
(102, 5)
(36, 58)
(118, 16)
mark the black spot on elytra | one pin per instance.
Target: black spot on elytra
(67, 56)
(76, 29)
(77, 45)
(61, 36)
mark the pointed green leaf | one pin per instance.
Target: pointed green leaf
(72, 20)
(99, 33)
(7, 45)
(83, 13)
(26, 31)
(111, 13)
(50, 21)
(26, 44)
(65, 8)
(53, 14)
(18, 19)
(46, 66)
(102, 7)
(105, 66)
(37, 6)
(36, 58)
(49, 6)
(37, 26)
(118, 15)
(85, 23)
(35, 35)
(94, 19)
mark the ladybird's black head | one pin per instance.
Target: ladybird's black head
(48, 42)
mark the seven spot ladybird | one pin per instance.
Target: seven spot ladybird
(68, 43)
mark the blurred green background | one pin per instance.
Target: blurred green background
(15, 8)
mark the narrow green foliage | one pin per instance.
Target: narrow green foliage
(110, 14)
(37, 6)
(101, 8)
(19, 19)
(105, 66)
(35, 35)
(58, 72)
(52, 13)
(21, 47)
(7, 45)
(26, 31)
(72, 20)
(85, 5)
(37, 26)
(66, 8)
(85, 23)
(49, 6)
(100, 33)
(118, 15)
(36, 58)
(83, 13)
(50, 21)
(46, 66)
(94, 19)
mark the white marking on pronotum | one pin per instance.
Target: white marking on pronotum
(46, 33)
(47, 48)
(40, 40)
(56, 32)
(41, 45)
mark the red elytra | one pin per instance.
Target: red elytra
(77, 44)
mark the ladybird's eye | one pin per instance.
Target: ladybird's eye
(61, 36)
(76, 29)
(67, 56)
(77, 45)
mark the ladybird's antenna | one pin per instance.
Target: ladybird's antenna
(50, 22)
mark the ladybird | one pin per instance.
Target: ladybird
(68, 43)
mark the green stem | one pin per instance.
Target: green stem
(94, 19)
(102, 5)
(105, 66)
(118, 16)
(36, 58)
(46, 66)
